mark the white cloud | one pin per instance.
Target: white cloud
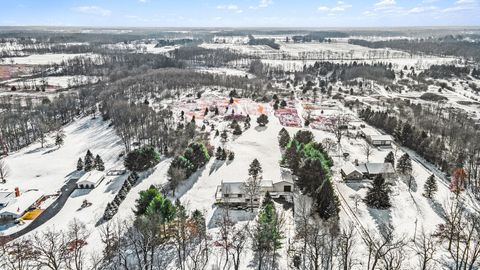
(233, 8)
(341, 6)
(265, 3)
(262, 4)
(421, 9)
(94, 10)
(385, 3)
(463, 2)
(461, 5)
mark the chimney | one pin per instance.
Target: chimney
(17, 192)
(356, 162)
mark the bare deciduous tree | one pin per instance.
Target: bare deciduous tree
(339, 126)
(4, 171)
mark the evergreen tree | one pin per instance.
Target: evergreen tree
(79, 164)
(142, 159)
(262, 120)
(283, 138)
(89, 161)
(404, 165)
(430, 187)
(326, 201)
(311, 175)
(378, 195)
(390, 158)
(143, 202)
(237, 130)
(99, 165)
(162, 208)
(304, 136)
(59, 138)
(231, 155)
(218, 153)
(255, 170)
(267, 234)
(224, 136)
(292, 157)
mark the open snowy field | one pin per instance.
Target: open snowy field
(54, 82)
(45, 59)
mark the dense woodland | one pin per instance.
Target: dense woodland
(466, 49)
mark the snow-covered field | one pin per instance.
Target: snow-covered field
(54, 81)
(45, 59)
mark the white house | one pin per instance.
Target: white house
(90, 180)
(21, 204)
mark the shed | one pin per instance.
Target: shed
(90, 180)
(380, 140)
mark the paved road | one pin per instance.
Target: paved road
(50, 212)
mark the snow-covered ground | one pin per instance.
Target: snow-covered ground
(49, 168)
(54, 81)
(45, 59)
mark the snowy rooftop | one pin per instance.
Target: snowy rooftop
(380, 137)
(22, 203)
(93, 177)
(375, 168)
(349, 168)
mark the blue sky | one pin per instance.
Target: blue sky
(245, 13)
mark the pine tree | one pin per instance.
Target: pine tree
(390, 158)
(255, 170)
(378, 195)
(224, 136)
(59, 138)
(218, 153)
(231, 155)
(283, 138)
(292, 157)
(430, 187)
(326, 201)
(262, 120)
(237, 130)
(89, 162)
(99, 165)
(79, 164)
(304, 136)
(404, 165)
(267, 234)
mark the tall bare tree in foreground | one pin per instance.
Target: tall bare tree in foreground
(4, 171)
(339, 126)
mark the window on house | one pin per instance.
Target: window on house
(240, 195)
(225, 195)
(287, 188)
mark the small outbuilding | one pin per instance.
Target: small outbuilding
(380, 140)
(90, 180)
